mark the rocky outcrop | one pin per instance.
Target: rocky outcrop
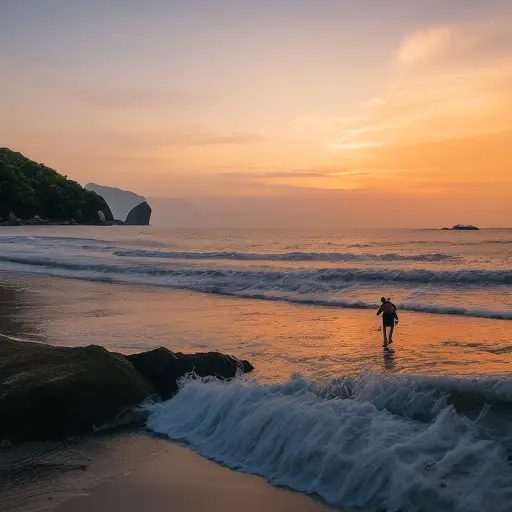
(47, 392)
(164, 368)
(461, 227)
(139, 216)
(123, 203)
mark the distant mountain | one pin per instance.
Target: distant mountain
(29, 189)
(120, 201)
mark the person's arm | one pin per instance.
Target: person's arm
(379, 311)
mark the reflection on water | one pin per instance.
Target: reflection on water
(388, 355)
(278, 338)
(15, 302)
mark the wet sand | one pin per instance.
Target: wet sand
(182, 481)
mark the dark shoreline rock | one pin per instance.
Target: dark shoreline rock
(49, 392)
(44, 222)
(163, 368)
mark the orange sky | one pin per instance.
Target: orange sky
(262, 102)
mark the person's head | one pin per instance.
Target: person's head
(383, 299)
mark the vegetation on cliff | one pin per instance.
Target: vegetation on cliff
(29, 189)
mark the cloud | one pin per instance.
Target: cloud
(446, 82)
(425, 45)
(463, 43)
(292, 174)
(200, 138)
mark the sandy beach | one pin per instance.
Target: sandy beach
(182, 481)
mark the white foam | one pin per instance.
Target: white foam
(288, 256)
(347, 450)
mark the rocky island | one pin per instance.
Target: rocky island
(462, 227)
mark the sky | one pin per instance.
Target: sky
(277, 112)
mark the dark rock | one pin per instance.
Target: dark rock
(12, 220)
(462, 227)
(37, 221)
(120, 201)
(139, 216)
(163, 368)
(48, 392)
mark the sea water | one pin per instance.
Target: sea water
(429, 427)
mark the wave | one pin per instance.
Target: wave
(70, 242)
(322, 279)
(418, 308)
(374, 443)
(290, 285)
(289, 256)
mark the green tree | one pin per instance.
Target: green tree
(28, 189)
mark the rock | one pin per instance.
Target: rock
(139, 216)
(47, 392)
(12, 220)
(37, 221)
(162, 368)
(462, 227)
(120, 201)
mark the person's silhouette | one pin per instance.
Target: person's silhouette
(389, 318)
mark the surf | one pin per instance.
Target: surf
(373, 443)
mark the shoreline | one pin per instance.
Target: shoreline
(181, 480)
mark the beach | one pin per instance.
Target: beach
(181, 479)
(328, 411)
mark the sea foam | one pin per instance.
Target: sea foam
(347, 442)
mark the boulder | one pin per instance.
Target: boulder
(47, 392)
(139, 215)
(12, 220)
(162, 368)
(37, 221)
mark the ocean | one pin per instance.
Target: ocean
(426, 425)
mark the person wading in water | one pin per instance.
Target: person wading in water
(389, 318)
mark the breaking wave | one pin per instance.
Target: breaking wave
(289, 256)
(377, 443)
(300, 286)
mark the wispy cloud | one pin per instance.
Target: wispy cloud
(447, 81)
(425, 45)
(285, 175)
(200, 138)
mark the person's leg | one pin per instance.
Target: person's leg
(391, 329)
(384, 329)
